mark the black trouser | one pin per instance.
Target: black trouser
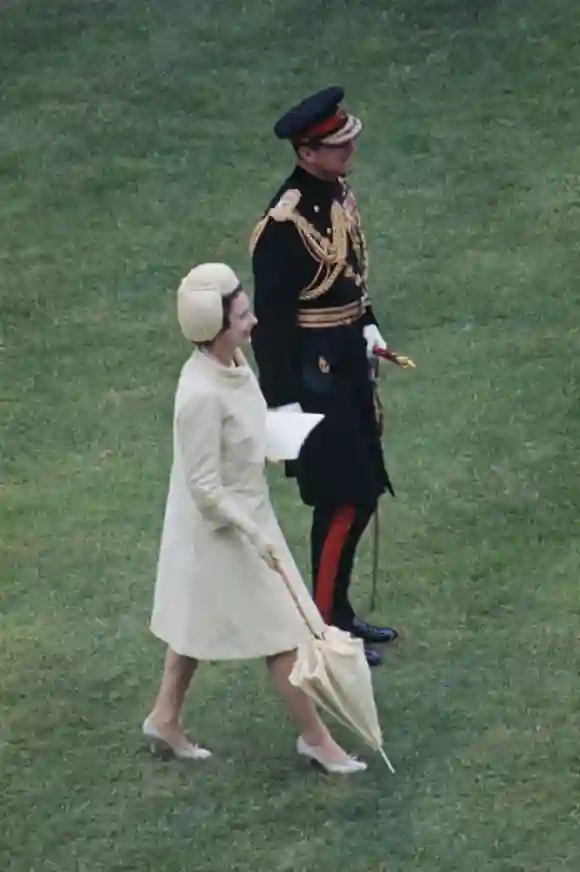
(334, 538)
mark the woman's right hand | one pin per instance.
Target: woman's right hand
(266, 551)
(268, 554)
(259, 541)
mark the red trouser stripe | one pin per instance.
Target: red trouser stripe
(338, 531)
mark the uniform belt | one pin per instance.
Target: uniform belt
(332, 316)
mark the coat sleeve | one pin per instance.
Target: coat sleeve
(282, 268)
(198, 439)
(369, 317)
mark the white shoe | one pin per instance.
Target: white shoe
(347, 768)
(157, 744)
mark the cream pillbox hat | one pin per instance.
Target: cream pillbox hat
(199, 300)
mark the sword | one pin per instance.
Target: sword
(405, 363)
(375, 574)
(386, 354)
(375, 522)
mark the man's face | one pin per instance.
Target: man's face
(329, 161)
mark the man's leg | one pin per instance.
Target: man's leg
(344, 614)
(368, 632)
(336, 534)
(332, 553)
(331, 529)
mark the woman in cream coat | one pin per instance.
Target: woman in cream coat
(217, 594)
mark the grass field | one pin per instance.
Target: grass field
(135, 140)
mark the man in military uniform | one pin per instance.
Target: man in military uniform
(314, 342)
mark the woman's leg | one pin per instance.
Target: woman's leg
(302, 709)
(165, 714)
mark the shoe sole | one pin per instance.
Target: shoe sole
(159, 748)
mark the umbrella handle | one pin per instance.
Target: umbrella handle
(375, 570)
(279, 569)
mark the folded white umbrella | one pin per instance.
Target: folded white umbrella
(332, 669)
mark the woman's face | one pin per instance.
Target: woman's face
(242, 321)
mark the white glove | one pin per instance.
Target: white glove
(373, 338)
(264, 548)
(290, 407)
(268, 554)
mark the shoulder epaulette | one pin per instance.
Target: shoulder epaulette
(283, 210)
(285, 205)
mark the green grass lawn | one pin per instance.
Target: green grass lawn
(135, 140)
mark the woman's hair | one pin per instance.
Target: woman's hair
(227, 301)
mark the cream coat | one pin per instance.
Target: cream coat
(215, 598)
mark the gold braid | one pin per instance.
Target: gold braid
(330, 254)
(257, 232)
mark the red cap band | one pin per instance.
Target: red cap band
(323, 128)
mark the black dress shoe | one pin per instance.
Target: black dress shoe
(373, 657)
(370, 633)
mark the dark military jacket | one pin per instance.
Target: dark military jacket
(310, 269)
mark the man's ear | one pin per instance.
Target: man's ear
(306, 153)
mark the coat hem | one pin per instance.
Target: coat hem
(209, 658)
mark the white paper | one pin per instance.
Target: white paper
(286, 432)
